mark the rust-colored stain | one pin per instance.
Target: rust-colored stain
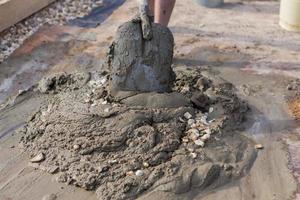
(44, 35)
(294, 106)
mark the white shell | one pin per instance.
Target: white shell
(205, 137)
(139, 173)
(76, 146)
(193, 134)
(38, 158)
(187, 115)
(145, 164)
(194, 155)
(199, 143)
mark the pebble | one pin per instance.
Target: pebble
(38, 158)
(130, 173)
(112, 161)
(199, 143)
(139, 173)
(194, 125)
(50, 197)
(193, 134)
(145, 164)
(259, 146)
(191, 121)
(289, 87)
(187, 115)
(190, 149)
(204, 120)
(106, 110)
(194, 155)
(185, 140)
(205, 137)
(185, 89)
(87, 100)
(76, 146)
(103, 80)
(181, 120)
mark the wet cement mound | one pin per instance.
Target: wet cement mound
(124, 148)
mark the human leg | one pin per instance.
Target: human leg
(163, 10)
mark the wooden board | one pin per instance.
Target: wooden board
(13, 11)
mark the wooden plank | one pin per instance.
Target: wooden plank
(13, 11)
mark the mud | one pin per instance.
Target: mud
(124, 149)
(139, 64)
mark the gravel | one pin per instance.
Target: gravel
(58, 13)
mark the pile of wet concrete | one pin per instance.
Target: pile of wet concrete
(123, 146)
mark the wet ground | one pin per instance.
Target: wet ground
(241, 43)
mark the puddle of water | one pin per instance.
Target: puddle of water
(27, 69)
(98, 15)
(10, 130)
(260, 127)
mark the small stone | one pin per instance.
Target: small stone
(50, 197)
(185, 140)
(259, 146)
(190, 149)
(193, 134)
(145, 164)
(211, 109)
(38, 158)
(130, 173)
(106, 110)
(191, 121)
(103, 80)
(87, 100)
(52, 170)
(204, 120)
(112, 161)
(199, 143)
(139, 173)
(185, 89)
(194, 125)
(289, 87)
(205, 137)
(76, 146)
(21, 92)
(187, 115)
(194, 155)
(227, 167)
(104, 103)
(181, 120)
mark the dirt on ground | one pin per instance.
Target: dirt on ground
(123, 148)
(294, 106)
